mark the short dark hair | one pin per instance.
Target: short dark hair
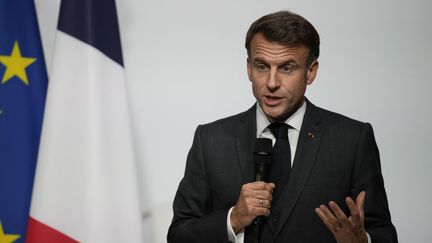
(287, 28)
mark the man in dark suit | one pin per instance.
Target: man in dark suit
(329, 158)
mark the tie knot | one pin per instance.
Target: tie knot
(279, 130)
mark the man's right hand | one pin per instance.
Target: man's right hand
(254, 200)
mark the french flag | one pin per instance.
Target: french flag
(85, 187)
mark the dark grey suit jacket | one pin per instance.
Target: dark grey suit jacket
(335, 157)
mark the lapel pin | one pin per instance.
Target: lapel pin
(311, 135)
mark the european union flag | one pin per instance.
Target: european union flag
(23, 82)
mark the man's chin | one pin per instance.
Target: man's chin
(275, 115)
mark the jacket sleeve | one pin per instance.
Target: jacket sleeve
(195, 219)
(367, 176)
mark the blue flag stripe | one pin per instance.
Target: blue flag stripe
(98, 26)
(21, 112)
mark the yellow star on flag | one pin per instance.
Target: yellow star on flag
(4, 238)
(16, 65)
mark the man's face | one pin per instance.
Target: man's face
(279, 76)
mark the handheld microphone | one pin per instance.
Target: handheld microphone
(262, 158)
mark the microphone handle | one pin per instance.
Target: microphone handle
(259, 176)
(262, 159)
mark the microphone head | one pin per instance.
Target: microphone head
(262, 157)
(263, 146)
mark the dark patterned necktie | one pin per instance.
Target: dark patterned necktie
(281, 159)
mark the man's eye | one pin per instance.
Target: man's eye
(287, 69)
(261, 67)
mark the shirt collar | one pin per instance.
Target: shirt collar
(295, 120)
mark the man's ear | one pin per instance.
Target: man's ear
(249, 69)
(312, 72)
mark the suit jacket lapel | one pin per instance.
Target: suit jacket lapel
(307, 148)
(245, 135)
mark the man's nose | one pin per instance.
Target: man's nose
(273, 81)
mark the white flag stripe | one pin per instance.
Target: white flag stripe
(86, 183)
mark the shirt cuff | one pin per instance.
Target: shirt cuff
(232, 237)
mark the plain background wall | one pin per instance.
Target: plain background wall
(186, 65)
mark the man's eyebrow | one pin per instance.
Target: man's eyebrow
(287, 62)
(258, 59)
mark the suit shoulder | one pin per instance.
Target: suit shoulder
(334, 119)
(338, 128)
(231, 122)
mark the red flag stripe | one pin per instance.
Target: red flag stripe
(38, 232)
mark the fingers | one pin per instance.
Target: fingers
(360, 203)
(272, 185)
(341, 218)
(360, 198)
(338, 223)
(355, 213)
(257, 207)
(334, 218)
(260, 185)
(327, 218)
(356, 209)
(254, 200)
(263, 203)
(263, 195)
(258, 190)
(259, 211)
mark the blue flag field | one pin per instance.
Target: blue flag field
(23, 83)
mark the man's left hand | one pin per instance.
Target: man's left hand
(345, 230)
